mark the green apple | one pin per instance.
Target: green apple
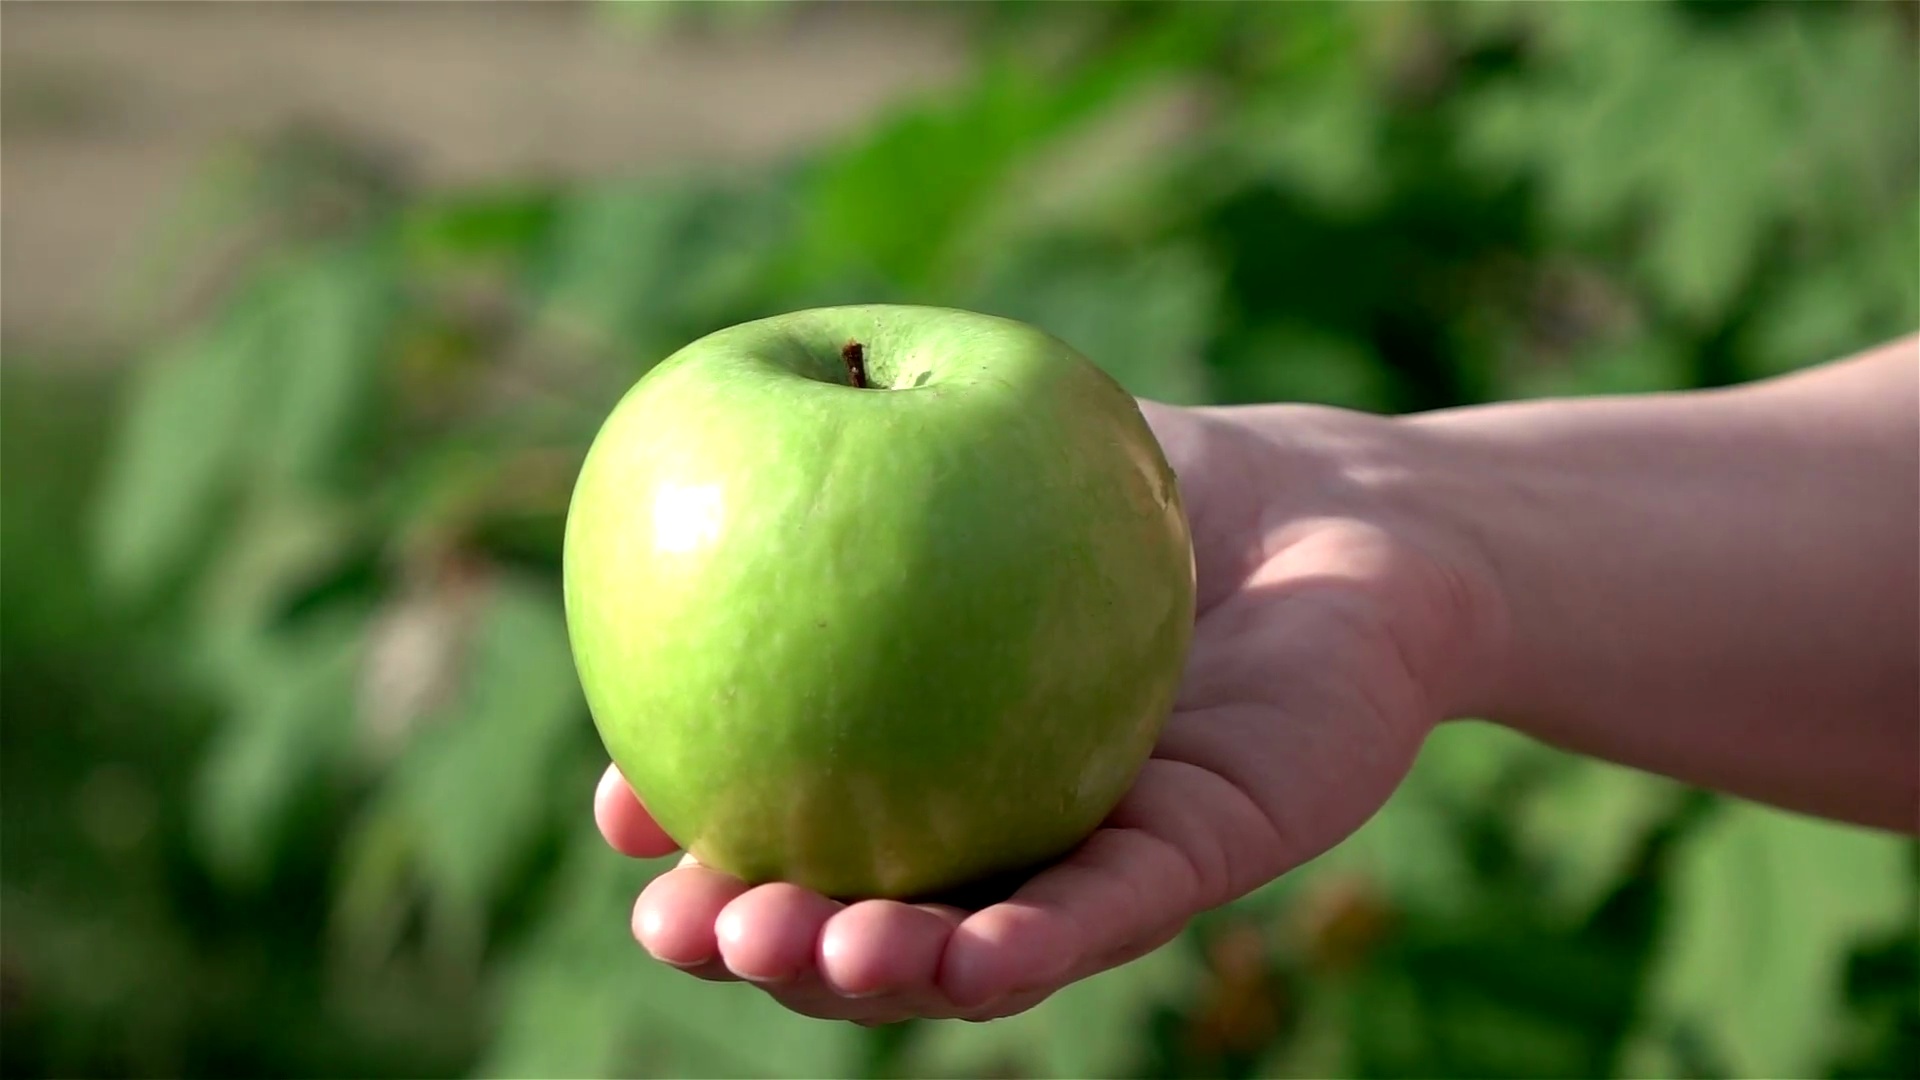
(878, 600)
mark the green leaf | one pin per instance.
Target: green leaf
(1288, 360)
(1861, 79)
(1463, 762)
(896, 203)
(1414, 846)
(293, 722)
(331, 315)
(903, 202)
(1856, 295)
(275, 388)
(1409, 848)
(580, 999)
(1143, 318)
(277, 544)
(639, 266)
(178, 454)
(1719, 179)
(475, 781)
(1646, 365)
(677, 1026)
(1586, 827)
(473, 226)
(1094, 1027)
(1636, 114)
(565, 1007)
(1767, 906)
(1507, 1003)
(1320, 138)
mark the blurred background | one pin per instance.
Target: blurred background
(309, 311)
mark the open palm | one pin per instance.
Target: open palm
(1323, 653)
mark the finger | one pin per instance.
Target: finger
(882, 947)
(1001, 1008)
(1126, 883)
(811, 996)
(625, 822)
(675, 915)
(711, 971)
(877, 923)
(770, 934)
(1132, 950)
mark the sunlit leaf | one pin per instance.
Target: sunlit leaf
(1767, 905)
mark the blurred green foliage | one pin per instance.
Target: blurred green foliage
(295, 767)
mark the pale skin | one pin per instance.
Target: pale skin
(1721, 587)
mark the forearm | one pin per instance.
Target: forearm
(1717, 586)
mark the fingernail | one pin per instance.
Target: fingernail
(684, 965)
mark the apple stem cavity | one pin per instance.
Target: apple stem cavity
(855, 355)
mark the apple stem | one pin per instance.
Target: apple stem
(854, 354)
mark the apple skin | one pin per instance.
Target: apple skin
(878, 642)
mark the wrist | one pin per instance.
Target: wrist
(1449, 507)
(1422, 553)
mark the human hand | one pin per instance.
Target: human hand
(1333, 631)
